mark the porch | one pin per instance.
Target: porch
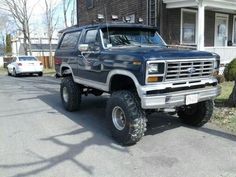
(208, 25)
(226, 53)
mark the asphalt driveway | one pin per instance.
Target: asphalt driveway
(40, 139)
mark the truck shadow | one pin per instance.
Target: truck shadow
(92, 113)
(91, 118)
(160, 122)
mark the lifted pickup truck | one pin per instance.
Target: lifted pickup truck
(133, 64)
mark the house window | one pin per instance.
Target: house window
(89, 4)
(234, 30)
(188, 26)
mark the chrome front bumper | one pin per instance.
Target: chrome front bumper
(175, 99)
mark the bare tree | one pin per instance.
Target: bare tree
(73, 13)
(3, 28)
(20, 12)
(51, 22)
(69, 6)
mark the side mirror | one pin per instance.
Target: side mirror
(83, 47)
(109, 46)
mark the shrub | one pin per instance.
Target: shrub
(230, 71)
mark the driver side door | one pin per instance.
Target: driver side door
(89, 60)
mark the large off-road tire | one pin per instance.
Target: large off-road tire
(126, 118)
(70, 94)
(196, 114)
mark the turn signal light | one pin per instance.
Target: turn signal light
(152, 79)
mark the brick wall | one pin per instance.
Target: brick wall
(168, 19)
(116, 7)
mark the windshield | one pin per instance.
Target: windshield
(118, 37)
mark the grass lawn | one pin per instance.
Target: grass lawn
(3, 71)
(225, 116)
(49, 72)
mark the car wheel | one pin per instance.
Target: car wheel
(14, 72)
(196, 114)
(126, 118)
(70, 94)
(40, 74)
(8, 72)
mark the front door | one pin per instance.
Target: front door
(221, 29)
(89, 61)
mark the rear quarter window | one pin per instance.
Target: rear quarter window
(70, 40)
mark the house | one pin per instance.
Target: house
(208, 25)
(39, 46)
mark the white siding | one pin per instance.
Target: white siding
(227, 54)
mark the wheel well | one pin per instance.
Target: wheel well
(121, 82)
(65, 71)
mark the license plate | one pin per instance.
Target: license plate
(191, 99)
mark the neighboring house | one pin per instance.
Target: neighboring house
(39, 46)
(39, 50)
(203, 24)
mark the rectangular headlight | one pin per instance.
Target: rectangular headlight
(155, 68)
(152, 68)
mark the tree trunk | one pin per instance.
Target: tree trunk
(50, 54)
(25, 44)
(232, 97)
(28, 38)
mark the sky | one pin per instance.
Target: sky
(37, 20)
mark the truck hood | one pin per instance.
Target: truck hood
(147, 53)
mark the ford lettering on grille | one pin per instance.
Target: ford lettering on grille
(191, 70)
(188, 69)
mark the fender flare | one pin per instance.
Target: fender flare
(124, 73)
(67, 71)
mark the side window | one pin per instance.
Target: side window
(70, 40)
(91, 37)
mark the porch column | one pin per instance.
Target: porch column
(201, 26)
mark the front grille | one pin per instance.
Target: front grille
(188, 69)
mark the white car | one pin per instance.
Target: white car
(25, 65)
